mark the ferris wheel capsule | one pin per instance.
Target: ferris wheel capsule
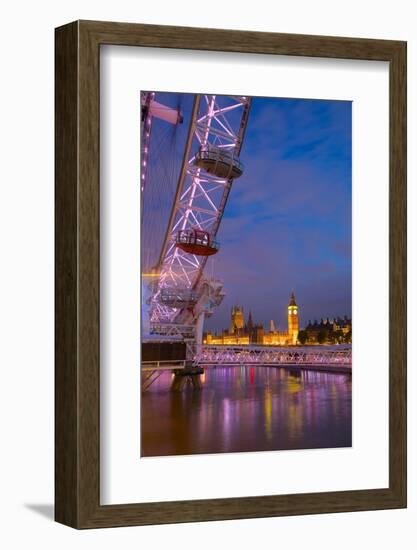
(196, 241)
(218, 161)
(178, 297)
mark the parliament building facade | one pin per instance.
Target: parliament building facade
(245, 332)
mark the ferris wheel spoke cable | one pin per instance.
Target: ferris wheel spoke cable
(198, 199)
(160, 189)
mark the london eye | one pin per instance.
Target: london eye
(190, 157)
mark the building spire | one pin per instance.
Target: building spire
(292, 300)
(250, 320)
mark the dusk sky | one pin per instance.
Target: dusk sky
(287, 224)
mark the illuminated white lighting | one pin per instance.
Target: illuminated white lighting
(178, 267)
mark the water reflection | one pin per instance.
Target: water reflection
(247, 409)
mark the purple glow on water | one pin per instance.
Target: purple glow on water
(240, 410)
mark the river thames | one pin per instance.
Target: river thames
(242, 408)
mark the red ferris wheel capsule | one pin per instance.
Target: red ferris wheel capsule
(196, 241)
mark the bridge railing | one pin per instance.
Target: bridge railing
(262, 355)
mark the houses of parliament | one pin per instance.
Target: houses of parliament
(241, 332)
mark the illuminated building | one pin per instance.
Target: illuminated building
(290, 336)
(241, 333)
(335, 331)
(328, 331)
(237, 320)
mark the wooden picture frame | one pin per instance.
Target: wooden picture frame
(77, 401)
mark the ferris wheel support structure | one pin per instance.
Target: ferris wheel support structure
(217, 124)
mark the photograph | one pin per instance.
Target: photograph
(209, 266)
(246, 273)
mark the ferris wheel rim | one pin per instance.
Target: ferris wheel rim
(199, 128)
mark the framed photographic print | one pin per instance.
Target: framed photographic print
(230, 274)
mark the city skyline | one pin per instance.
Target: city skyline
(303, 321)
(244, 329)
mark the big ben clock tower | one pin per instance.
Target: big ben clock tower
(292, 320)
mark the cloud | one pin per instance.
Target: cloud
(287, 224)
